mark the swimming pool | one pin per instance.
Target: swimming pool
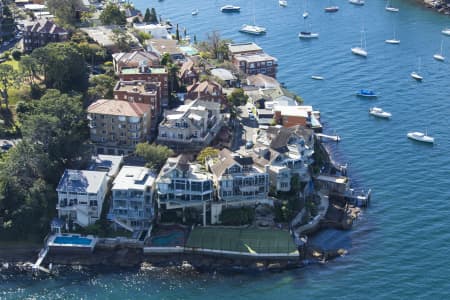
(72, 240)
(175, 238)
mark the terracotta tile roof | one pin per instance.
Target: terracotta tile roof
(133, 59)
(118, 108)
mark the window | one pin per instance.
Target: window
(180, 136)
(269, 63)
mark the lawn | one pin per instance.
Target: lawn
(242, 240)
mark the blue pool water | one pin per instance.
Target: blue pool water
(74, 240)
(175, 238)
(399, 247)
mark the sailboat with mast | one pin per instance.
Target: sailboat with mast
(361, 50)
(308, 34)
(391, 8)
(439, 56)
(416, 75)
(393, 41)
(253, 29)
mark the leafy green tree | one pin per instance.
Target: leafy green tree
(58, 123)
(8, 79)
(143, 36)
(238, 97)
(63, 66)
(112, 15)
(65, 10)
(155, 155)
(92, 53)
(101, 87)
(28, 67)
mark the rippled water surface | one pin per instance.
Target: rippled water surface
(399, 246)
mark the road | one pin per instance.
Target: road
(244, 129)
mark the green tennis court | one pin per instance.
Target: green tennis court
(242, 240)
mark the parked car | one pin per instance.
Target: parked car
(248, 145)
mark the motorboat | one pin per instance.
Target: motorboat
(308, 35)
(331, 9)
(195, 12)
(282, 3)
(230, 8)
(366, 93)
(421, 137)
(356, 2)
(305, 15)
(446, 31)
(378, 112)
(253, 29)
(392, 41)
(317, 77)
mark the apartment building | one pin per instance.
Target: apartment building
(126, 60)
(117, 126)
(207, 90)
(41, 33)
(141, 91)
(252, 60)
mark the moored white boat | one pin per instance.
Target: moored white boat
(230, 8)
(359, 51)
(378, 112)
(331, 9)
(308, 35)
(253, 29)
(305, 15)
(283, 3)
(439, 56)
(195, 12)
(317, 77)
(392, 41)
(416, 76)
(421, 137)
(446, 31)
(356, 2)
(392, 9)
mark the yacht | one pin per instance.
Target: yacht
(378, 112)
(392, 41)
(361, 51)
(317, 77)
(366, 93)
(331, 9)
(282, 3)
(446, 31)
(305, 15)
(391, 8)
(421, 137)
(416, 75)
(356, 2)
(439, 56)
(308, 35)
(195, 12)
(253, 29)
(230, 8)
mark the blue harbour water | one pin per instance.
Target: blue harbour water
(399, 247)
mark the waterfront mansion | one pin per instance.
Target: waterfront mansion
(237, 180)
(190, 127)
